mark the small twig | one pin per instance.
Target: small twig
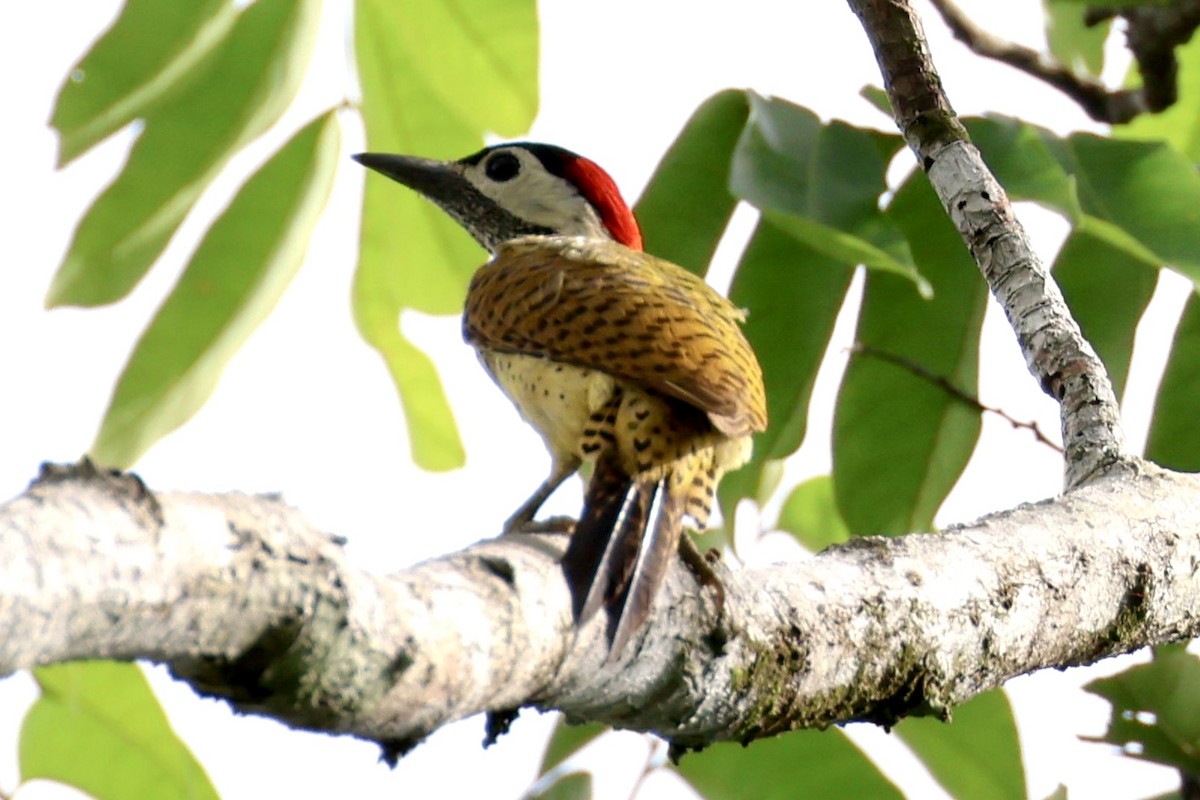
(652, 762)
(1094, 97)
(1152, 32)
(944, 383)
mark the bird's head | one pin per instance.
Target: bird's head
(518, 189)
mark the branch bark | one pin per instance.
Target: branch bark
(246, 601)
(1063, 362)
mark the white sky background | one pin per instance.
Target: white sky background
(307, 409)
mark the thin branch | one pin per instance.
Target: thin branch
(947, 386)
(1153, 32)
(246, 601)
(1063, 362)
(1093, 96)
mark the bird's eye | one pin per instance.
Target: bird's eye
(502, 167)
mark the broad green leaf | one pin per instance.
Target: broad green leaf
(1107, 289)
(1156, 709)
(238, 272)
(1178, 125)
(687, 204)
(108, 88)
(794, 293)
(977, 755)
(1118, 238)
(900, 441)
(416, 100)
(821, 184)
(567, 740)
(1141, 197)
(845, 248)
(1077, 46)
(810, 514)
(248, 81)
(1174, 438)
(797, 764)
(99, 728)
(1149, 190)
(572, 786)
(877, 97)
(478, 57)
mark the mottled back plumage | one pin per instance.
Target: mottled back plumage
(597, 304)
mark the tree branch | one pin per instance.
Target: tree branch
(1064, 363)
(1153, 31)
(246, 601)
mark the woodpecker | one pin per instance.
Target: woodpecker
(614, 356)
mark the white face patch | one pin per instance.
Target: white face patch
(516, 180)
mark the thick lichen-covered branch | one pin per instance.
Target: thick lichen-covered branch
(246, 601)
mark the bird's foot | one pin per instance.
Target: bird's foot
(700, 565)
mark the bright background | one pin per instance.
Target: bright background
(307, 409)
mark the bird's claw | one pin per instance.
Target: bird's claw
(700, 565)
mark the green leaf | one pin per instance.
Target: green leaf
(572, 786)
(567, 740)
(794, 293)
(247, 83)
(479, 58)
(1077, 46)
(1178, 125)
(1143, 197)
(687, 204)
(108, 89)
(877, 97)
(797, 764)
(1107, 289)
(810, 514)
(1148, 189)
(900, 441)
(977, 755)
(1156, 709)
(99, 728)
(846, 248)
(238, 272)
(416, 100)
(1174, 438)
(822, 184)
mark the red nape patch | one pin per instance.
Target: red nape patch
(601, 191)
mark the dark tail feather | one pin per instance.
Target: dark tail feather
(605, 543)
(611, 560)
(649, 567)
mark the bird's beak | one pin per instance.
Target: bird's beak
(440, 181)
(446, 184)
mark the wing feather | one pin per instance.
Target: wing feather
(599, 305)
